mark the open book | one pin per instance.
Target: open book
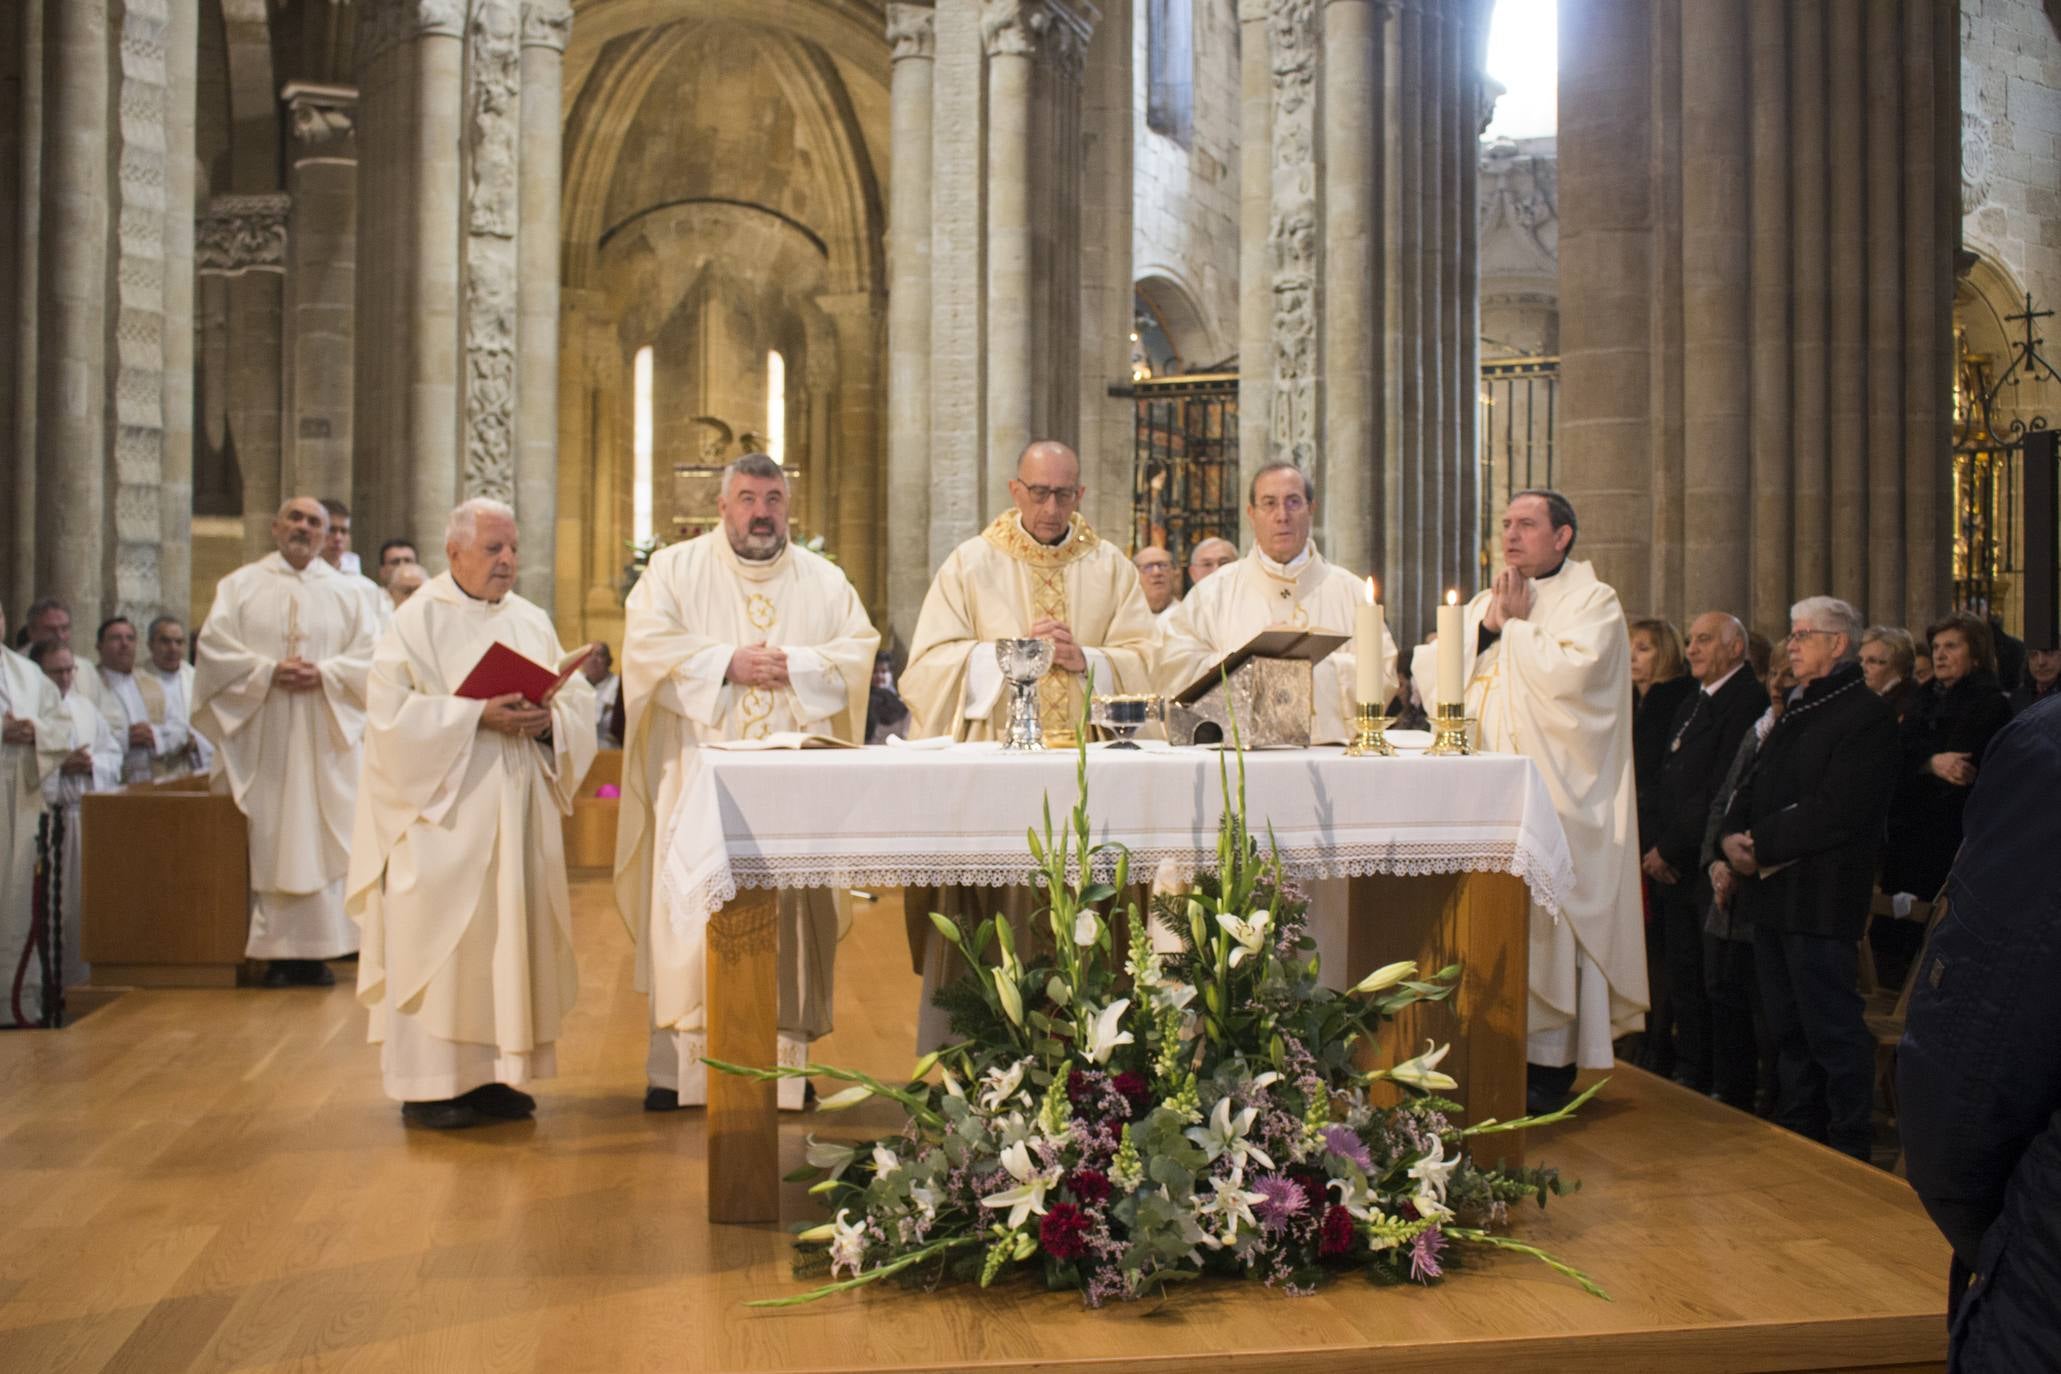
(781, 739)
(1279, 642)
(501, 670)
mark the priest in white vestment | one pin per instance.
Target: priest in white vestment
(186, 753)
(1283, 583)
(1156, 578)
(1038, 571)
(1547, 663)
(336, 552)
(457, 879)
(280, 694)
(94, 765)
(35, 740)
(737, 634)
(133, 704)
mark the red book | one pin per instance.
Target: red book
(501, 670)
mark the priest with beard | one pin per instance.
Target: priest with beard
(736, 634)
(280, 694)
(1547, 666)
(1038, 571)
(457, 879)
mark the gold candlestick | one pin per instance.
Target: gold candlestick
(1449, 730)
(1370, 738)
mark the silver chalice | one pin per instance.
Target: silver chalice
(1124, 716)
(1023, 662)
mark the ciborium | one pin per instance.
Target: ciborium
(1124, 716)
(1023, 662)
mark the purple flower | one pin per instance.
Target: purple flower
(1345, 1142)
(1424, 1251)
(1281, 1200)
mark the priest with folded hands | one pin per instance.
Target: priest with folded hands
(737, 634)
(457, 879)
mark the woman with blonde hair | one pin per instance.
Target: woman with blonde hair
(1661, 685)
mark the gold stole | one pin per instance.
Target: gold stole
(755, 705)
(1060, 692)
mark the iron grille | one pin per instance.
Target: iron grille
(1184, 485)
(1519, 418)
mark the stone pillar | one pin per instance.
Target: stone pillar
(1107, 425)
(912, 31)
(1348, 464)
(321, 290)
(855, 428)
(958, 439)
(546, 28)
(175, 489)
(24, 290)
(1807, 280)
(243, 239)
(71, 433)
(1255, 258)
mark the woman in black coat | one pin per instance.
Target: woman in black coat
(1660, 684)
(1944, 736)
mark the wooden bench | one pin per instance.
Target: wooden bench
(165, 886)
(590, 829)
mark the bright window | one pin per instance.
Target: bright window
(776, 407)
(640, 444)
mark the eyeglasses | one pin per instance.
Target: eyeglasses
(1047, 496)
(1294, 505)
(1798, 636)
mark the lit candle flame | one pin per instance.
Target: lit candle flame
(1373, 591)
(1452, 596)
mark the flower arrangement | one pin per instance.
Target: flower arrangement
(1123, 1117)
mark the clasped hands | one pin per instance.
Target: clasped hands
(1066, 653)
(512, 714)
(1510, 598)
(296, 674)
(1958, 769)
(18, 731)
(1739, 854)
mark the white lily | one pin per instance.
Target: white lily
(1087, 928)
(1419, 1072)
(1103, 1033)
(926, 1199)
(1229, 1204)
(1387, 976)
(1002, 1084)
(952, 1087)
(1226, 1135)
(1011, 995)
(850, 1097)
(884, 1161)
(1029, 1194)
(1250, 933)
(847, 1245)
(825, 1154)
(1057, 992)
(1432, 1173)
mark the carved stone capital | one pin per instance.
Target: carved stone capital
(322, 117)
(912, 30)
(1024, 28)
(547, 24)
(240, 234)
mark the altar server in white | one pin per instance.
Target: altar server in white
(735, 634)
(35, 741)
(280, 694)
(94, 765)
(186, 752)
(133, 703)
(1547, 663)
(1283, 583)
(457, 879)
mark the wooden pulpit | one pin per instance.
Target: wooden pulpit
(165, 885)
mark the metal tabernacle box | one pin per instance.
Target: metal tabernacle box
(1268, 683)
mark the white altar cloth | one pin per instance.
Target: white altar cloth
(930, 817)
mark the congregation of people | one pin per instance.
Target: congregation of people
(1738, 813)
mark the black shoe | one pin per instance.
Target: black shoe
(500, 1101)
(316, 974)
(452, 1115)
(661, 1100)
(1547, 1088)
(299, 973)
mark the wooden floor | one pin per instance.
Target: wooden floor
(213, 1181)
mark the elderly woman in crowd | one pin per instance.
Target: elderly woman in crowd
(1888, 656)
(2042, 678)
(1660, 684)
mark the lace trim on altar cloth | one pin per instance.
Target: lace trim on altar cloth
(711, 891)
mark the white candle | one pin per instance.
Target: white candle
(1370, 677)
(1452, 689)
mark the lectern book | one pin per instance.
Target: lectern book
(781, 739)
(501, 670)
(1311, 646)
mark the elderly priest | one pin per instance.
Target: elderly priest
(280, 693)
(737, 634)
(1038, 571)
(457, 878)
(1546, 660)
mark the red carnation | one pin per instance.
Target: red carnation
(1133, 1087)
(1091, 1186)
(1337, 1238)
(1064, 1232)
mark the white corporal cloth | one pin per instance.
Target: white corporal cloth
(931, 816)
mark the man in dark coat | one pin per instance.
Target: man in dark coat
(1979, 1069)
(1806, 829)
(1701, 740)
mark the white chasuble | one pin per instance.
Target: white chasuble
(1556, 687)
(182, 752)
(995, 586)
(290, 759)
(694, 607)
(63, 791)
(457, 877)
(125, 700)
(1255, 594)
(25, 694)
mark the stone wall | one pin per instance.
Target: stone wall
(2011, 140)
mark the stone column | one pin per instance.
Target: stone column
(1255, 258)
(243, 239)
(71, 433)
(175, 489)
(855, 425)
(26, 278)
(912, 31)
(958, 441)
(1107, 424)
(546, 28)
(321, 287)
(431, 234)
(1348, 465)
